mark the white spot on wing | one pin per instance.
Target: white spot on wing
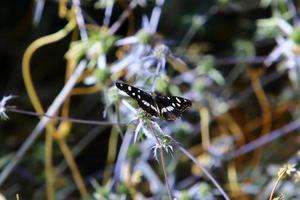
(145, 103)
(163, 110)
(177, 99)
(139, 96)
(178, 104)
(133, 94)
(173, 104)
(139, 91)
(129, 88)
(153, 107)
(168, 98)
(121, 84)
(185, 100)
(170, 108)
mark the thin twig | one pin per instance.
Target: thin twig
(274, 188)
(122, 18)
(60, 118)
(236, 60)
(265, 139)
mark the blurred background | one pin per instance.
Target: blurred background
(237, 61)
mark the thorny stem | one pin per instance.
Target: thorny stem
(165, 171)
(207, 173)
(162, 161)
(80, 20)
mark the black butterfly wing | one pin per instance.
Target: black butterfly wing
(144, 99)
(171, 107)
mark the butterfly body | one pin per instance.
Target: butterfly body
(166, 107)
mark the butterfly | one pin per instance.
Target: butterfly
(166, 107)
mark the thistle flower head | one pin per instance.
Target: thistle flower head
(161, 52)
(165, 143)
(3, 107)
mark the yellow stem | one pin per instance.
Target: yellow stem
(74, 169)
(265, 108)
(111, 155)
(204, 116)
(233, 179)
(35, 100)
(263, 102)
(28, 54)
